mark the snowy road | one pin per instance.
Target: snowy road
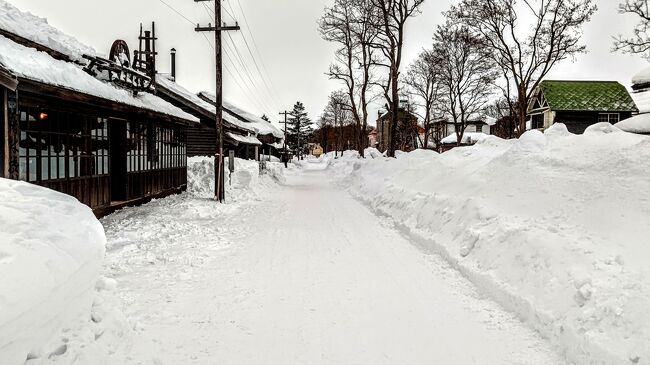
(306, 276)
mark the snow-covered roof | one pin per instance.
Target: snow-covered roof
(490, 120)
(244, 139)
(277, 146)
(176, 88)
(262, 126)
(38, 66)
(468, 138)
(637, 124)
(36, 29)
(642, 100)
(643, 77)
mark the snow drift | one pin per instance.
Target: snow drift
(50, 261)
(552, 226)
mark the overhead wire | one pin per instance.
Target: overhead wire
(247, 91)
(190, 21)
(271, 88)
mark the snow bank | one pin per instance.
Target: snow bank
(637, 124)
(245, 182)
(468, 138)
(553, 226)
(50, 261)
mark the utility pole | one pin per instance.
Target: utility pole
(286, 156)
(217, 29)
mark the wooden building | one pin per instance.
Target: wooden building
(202, 138)
(270, 138)
(406, 131)
(579, 104)
(84, 125)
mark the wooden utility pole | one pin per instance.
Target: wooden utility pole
(286, 156)
(217, 29)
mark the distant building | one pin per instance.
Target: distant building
(579, 104)
(475, 131)
(373, 139)
(406, 131)
(315, 149)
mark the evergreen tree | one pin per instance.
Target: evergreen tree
(299, 128)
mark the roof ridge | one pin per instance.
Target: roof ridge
(586, 81)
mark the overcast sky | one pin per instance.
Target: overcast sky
(283, 37)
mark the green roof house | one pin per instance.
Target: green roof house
(579, 104)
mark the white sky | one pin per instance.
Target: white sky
(286, 35)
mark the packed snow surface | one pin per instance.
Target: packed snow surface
(51, 254)
(292, 270)
(552, 226)
(36, 29)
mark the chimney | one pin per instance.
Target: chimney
(173, 53)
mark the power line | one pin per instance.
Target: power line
(245, 67)
(248, 28)
(178, 12)
(253, 99)
(236, 78)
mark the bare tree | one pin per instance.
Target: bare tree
(639, 42)
(466, 73)
(424, 84)
(390, 20)
(348, 23)
(526, 51)
(337, 113)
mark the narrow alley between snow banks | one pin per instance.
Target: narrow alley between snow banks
(302, 274)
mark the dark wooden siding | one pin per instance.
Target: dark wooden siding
(3, 127)
(577, 122)
(73, 148)
(201, 141)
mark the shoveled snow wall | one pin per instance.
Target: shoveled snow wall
(51, 252)
(246, 181)
(555, 227)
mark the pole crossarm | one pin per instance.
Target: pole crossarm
(219, 155)
(210, 28)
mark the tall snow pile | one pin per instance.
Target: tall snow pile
(51, 255)
(554, 226)
(244, 182)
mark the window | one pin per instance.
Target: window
(612, 118)
(151, 147)
(537, 121)
(56, 145)
(100, 147)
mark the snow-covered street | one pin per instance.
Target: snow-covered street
(305, 275)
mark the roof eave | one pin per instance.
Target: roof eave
(69, 95)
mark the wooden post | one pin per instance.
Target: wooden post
(286, 156)
(13, 137)
(217, 29)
